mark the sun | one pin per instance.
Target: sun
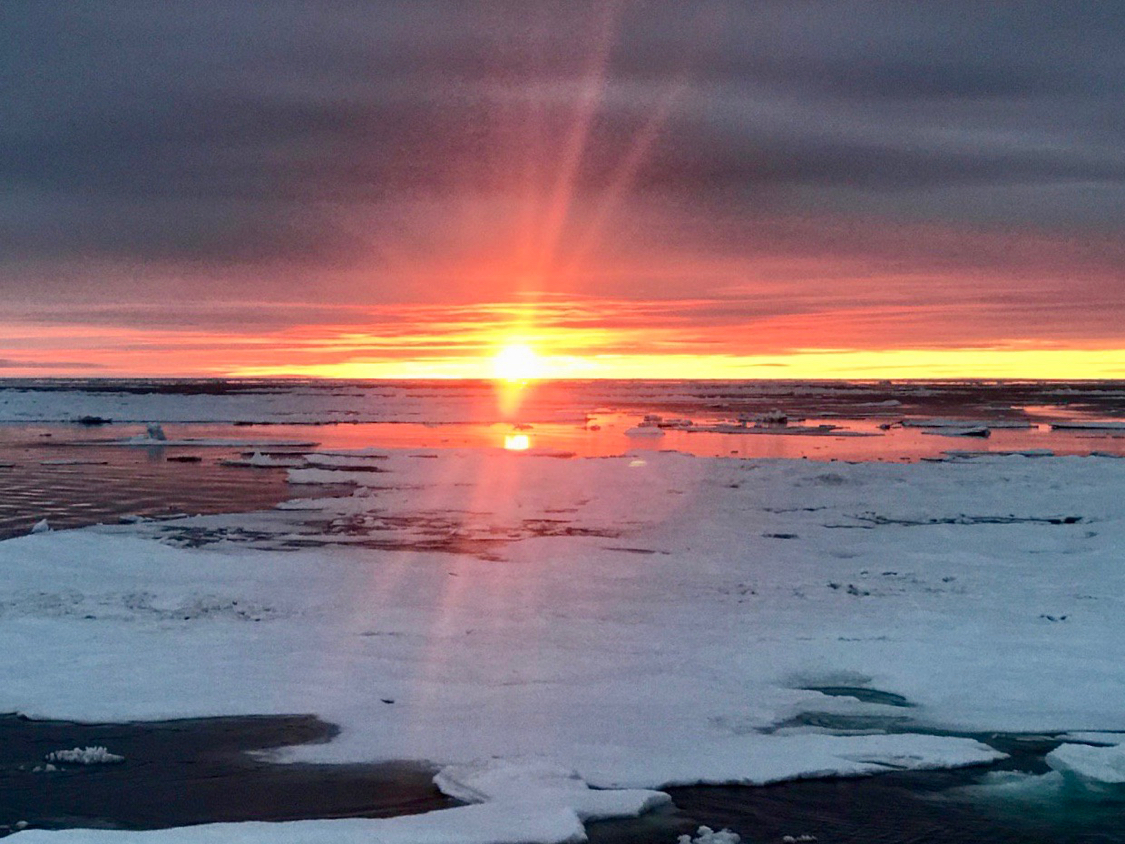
(517, 362)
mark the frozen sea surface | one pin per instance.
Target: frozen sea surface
(564, 637)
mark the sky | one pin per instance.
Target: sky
(629, 189)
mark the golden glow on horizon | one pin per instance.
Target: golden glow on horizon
(527, 345)
(517, 362)
(517, 442)
(1044, 364)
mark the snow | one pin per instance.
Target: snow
(41, 526)
(485, 824)
(567, 637)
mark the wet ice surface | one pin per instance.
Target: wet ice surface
(78, 452)
(44, 476)
(631, 622)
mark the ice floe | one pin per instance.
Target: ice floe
(484, 824)
(543, 784)
(1088, 767)
(1087, 426)
(965, 424)
(625, 623)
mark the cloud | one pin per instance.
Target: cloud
(261, 161)
(9, 363)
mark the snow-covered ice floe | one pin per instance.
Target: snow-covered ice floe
(598, 629)
(1092, 768)
(485, 824)
(266, 461)
(644, 431)
(1087, 426)
(786, 430)
(1024, 452)
(940, 422)
(204, 442)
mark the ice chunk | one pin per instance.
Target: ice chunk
(97, 755)
(155, 432)
(1092, 768)
(706, 835)
(644, 431)
(542, 783)
(41, 526)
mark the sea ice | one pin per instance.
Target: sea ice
(1092, 768)
(644, 431)
(938, 422)
(542, 783)
(484, 824)
(634, 620)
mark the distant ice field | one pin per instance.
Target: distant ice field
(77, 452)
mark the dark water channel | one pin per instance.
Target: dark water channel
(177, 773)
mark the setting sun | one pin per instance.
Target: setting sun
(517, 362)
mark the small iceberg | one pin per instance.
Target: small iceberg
(1090, 768)
(650, 427)
(41, 526)
(978, 431)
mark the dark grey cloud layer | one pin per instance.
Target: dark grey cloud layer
(214, 133)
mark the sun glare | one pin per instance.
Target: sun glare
(517, 362)
(517, 442)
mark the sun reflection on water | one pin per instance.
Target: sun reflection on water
(517, 442)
